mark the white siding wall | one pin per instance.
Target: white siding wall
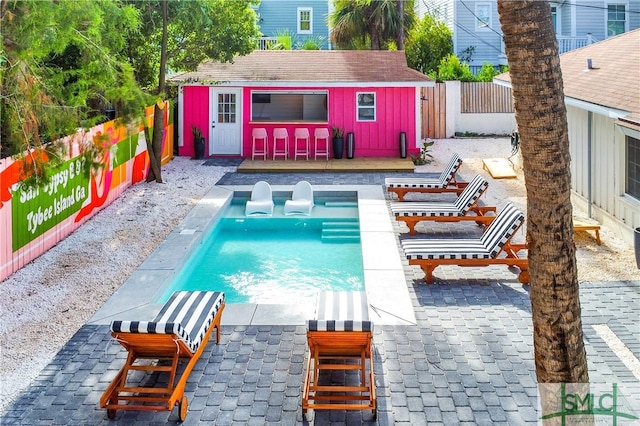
(609, 205)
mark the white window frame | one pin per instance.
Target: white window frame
(299, 20)
(558, 14)
(481, 25)
(366, 107)
(627, 161)
(606, 16)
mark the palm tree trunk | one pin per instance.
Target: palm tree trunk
(155, 150)
(536, 79)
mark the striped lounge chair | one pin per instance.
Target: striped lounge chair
(493, 248)
(178, 333)
(413, 212)
(340, 339)
(445, 183)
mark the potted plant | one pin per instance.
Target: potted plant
(338, 141)
(198, 142)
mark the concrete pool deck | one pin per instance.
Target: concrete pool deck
(384, 278)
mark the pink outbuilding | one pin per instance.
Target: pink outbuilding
(373, 96)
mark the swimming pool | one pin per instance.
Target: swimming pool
(384, 277)
(277, 259)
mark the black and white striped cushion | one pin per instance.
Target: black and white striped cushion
(488, 246)
(423, 209)
(502, 229)
(461, 207)
(187, 314)
(471, 193)
(449, 172)
(441, 182)
(424, 248)
(414, 183)
(341, 311)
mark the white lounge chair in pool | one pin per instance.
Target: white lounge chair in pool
(340, 339)
(178, 334)
(301, 201)
(261, 199)
(445, 183)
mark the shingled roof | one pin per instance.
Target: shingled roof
(614, 79)
(310, 67)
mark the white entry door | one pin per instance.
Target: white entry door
(225, 135)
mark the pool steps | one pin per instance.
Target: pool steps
(340, 232)
(341, 204)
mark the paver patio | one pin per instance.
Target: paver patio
(467, 360)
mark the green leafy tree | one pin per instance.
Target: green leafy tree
(371, 24)
(488, 71)
(179, 35)
(62, 64)
(451, 68)
(427, 44)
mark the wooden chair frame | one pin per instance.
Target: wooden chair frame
(339, 351)
(163, 348)
(511, 258)
(452, 187)
(480, 217)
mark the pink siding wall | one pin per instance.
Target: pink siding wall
(395, 108)
(196, 112)
(395, 113)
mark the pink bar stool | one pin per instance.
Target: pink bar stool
(280, 133)
(321, 134)
(301, 140)
(260, 145)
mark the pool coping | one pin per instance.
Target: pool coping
(385, 283)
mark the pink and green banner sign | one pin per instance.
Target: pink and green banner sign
(35, 218)
(35, 210)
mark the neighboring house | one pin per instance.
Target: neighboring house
(373, 94)
(602, 96)
(303, 19)
(476, 25)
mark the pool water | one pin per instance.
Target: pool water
(278, 260)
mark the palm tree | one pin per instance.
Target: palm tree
(371, 24)
(536, 79)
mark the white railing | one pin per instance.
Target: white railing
(264, 43)
(567, 43)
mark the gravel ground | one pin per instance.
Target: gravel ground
(48, 300)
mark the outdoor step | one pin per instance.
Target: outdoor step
(341, 204)
(340, 238)
(342, 231)
(340, 225)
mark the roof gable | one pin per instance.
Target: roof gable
(614, 79)
(309, 66)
